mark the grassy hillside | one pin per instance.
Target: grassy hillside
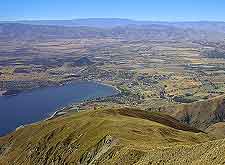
(200, 114)
(217, 130)
(123, 136)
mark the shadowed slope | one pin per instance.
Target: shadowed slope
(157, 117)
(199, 114)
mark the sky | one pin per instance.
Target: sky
(154, 10)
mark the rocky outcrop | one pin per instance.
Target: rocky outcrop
(95, 152)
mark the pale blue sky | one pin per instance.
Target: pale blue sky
(156, 10)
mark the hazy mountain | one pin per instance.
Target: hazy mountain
(90, 22)
(18, 31)
(113, 22)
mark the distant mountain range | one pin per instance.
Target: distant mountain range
(113, 28)
(114, 22)
(90, 22)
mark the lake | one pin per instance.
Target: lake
(35, 105)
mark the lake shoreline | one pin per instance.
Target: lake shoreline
(73, 107)
(66, 109)
(14, 92)
(109, 85)
(2, 93)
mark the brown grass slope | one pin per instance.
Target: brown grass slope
(201, 114)
(115, 136)
(209, 153)
(218, 130)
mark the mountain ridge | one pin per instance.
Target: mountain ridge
(102, 136)
(162, 32)
(109, 22)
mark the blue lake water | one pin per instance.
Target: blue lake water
(35, 105)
